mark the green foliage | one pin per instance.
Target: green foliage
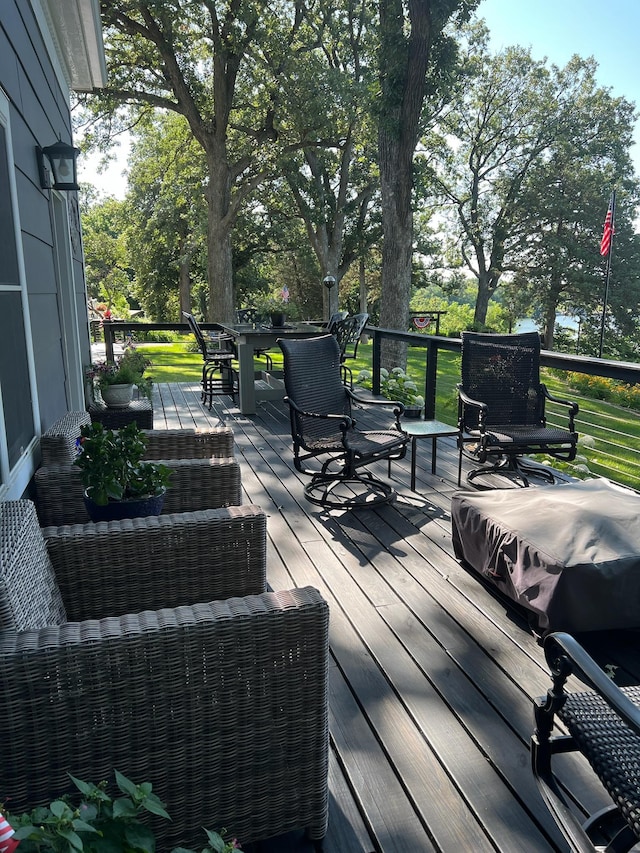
(112, 467)
(100, 824)
(600, 388)
(395, 384)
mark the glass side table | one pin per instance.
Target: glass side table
(425, 429)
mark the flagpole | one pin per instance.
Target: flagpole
(607, 272)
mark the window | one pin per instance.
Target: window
(16, 401)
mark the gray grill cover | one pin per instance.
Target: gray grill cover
(569, 553)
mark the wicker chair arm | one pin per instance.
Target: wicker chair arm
(195, 484)
(148, 563)
(189, 443)
(202, 484)
(561, 649)
(222, 706)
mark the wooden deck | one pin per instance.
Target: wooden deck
(432, 673)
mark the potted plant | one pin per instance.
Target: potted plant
(115, 379)
(275, 306)
(396, 385)
(118, 484)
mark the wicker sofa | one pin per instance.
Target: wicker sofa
(221, 705)
(205, 474)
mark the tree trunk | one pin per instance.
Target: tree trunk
(403, 65)
(221, 308)
(482, 300)
(397, 218)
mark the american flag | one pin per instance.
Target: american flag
(607, 234)
(284, 294)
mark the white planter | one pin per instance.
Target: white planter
(117, 396)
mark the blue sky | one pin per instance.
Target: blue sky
(608, 30)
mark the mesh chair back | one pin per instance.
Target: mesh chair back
(312, 381)
(197, 332)
(29, 594)
(503, 371)
(347, 332)
(335, 318)
(247, 315)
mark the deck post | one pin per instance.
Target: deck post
(376, 362)
(431, 373)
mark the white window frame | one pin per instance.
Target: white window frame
(14, 482)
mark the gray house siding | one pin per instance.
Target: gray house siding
(49, 221)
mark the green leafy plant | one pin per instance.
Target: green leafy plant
(129, 369)
(100, 824)
(111, 464)
(394, 385)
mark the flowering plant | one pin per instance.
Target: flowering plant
(394, 385)
(128, 369)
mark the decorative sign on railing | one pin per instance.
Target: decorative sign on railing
(423, 321)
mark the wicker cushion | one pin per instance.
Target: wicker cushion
(29, 593)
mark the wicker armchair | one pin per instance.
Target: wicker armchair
(221, 705)
(205, 475)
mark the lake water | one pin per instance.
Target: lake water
(566, 321)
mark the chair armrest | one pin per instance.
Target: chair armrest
(185, 443)
(222, 706)
(202, 484)
(469, 401)
(565, 656)
(570, 404)
(346, 422)
(398, 407)
(195, 484)
(121, 567)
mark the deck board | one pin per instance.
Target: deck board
(432, 673)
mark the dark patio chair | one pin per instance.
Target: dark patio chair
(120, 649)
(217, 357)
(501, 409)
(252, 315)
(348, 333)
(335, 318)
(603, 724)
(324, 430)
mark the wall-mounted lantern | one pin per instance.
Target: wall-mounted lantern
(61, 173)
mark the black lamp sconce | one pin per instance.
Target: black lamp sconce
(57, 165)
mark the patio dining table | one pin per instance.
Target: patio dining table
(250, 337)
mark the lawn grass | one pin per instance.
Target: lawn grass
(609, 434)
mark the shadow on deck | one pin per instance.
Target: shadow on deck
(432, 673)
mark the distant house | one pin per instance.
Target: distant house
(47, 49)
